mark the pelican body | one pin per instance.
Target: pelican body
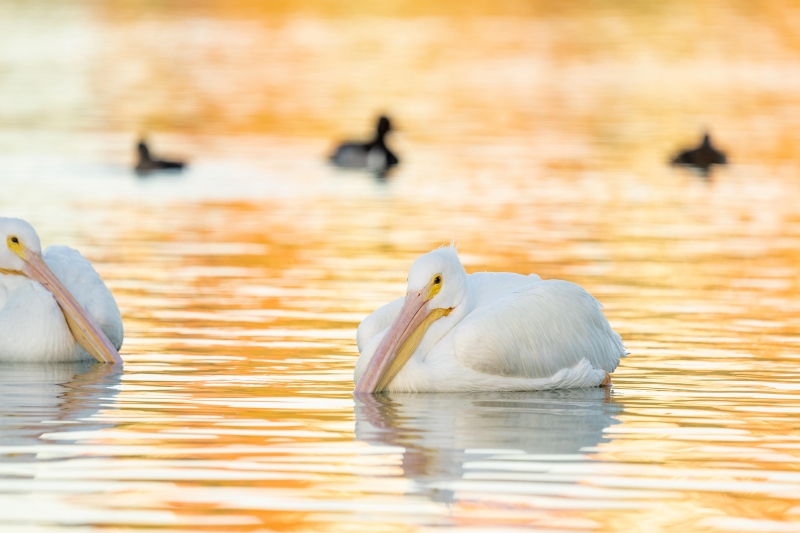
(54, 307)
(455, 332)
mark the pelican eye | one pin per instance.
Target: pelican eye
(436, 285)
(14, 240)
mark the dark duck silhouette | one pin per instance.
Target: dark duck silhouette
(147, 163)
(373, 155)
(701, 157)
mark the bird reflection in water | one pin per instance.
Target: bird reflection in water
(701, 158)
(441, 433)
(38, 399)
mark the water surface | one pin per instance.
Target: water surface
(535, 138)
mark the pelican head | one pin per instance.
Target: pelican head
(437, 284)
(20, 240)
(21, 254)
(441, 273)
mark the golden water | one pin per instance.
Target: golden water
(536, 137)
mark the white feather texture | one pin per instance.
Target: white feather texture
(32, 325)
(505, 332)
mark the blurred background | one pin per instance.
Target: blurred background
(568, 88)
(536, 134)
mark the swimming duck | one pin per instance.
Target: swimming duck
(701, 157)
(373, 155)
(147, 163)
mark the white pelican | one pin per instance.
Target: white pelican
(455, 332)
(53, 306)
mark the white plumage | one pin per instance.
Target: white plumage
(33, 326)
(502, 332)
(83, 281)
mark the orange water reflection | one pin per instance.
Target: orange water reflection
(534, 136)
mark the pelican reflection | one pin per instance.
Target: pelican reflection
(442, 433)
(38, 399)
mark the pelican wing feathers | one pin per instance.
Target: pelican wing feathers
(82, 280)
(537, 330)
